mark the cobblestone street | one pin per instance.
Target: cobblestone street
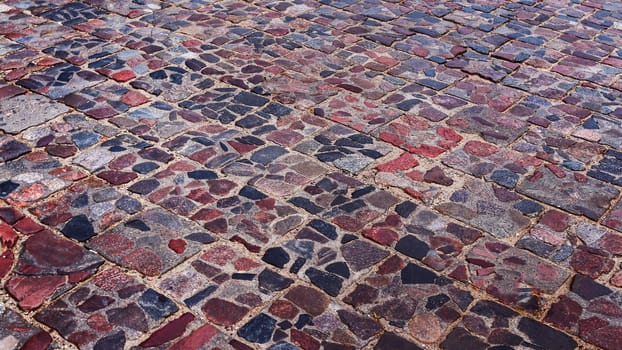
(310, 174)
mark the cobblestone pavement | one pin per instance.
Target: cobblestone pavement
(347, 174)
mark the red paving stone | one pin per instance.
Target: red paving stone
(336, 174)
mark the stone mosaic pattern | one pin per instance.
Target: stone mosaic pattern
(333, 174)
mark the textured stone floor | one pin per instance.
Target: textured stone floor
(348, 174)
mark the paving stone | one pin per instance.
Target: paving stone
(224, 284)
(501, 166)
(478, 40)
(345, 201)
(383, 33)
(487, 207)
(28, 334)
(172, 83)
(425, 23)
(126, 65)
(86, 209)
(117, 307)
(60, 80)
(418, 136)
(542, 112)
(105, 100)
(37, 174)
(481, 92)
(213, 146)
(158, 120)
(489, 124)
(507, 273)
(601, 129)
(423, 308)
(152, 242)
(12, 67)
(475, 19)
(23, 111)
(609, 168)
(372, 56)
(429, 48)
(224, 104)
(502, 327)
(228, 217)
(48, 265)
(44, 35)
(183, 186)
(426, 73)
(322, 38)
(360, 114)
(73, 13)
(483, 65)
(531, 54)
(338, 143)
(424, 101)
(596, 99)
(539, 83)
(122, 159)
(558, 149)
(275, 170)
(325, 255)
(589, 310)
(528, 31)
(586, 69)
(575, 193)
(130, 9)
(312, 63)
(306, 318)
(297, 91)
(614, 218)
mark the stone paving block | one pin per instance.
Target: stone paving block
(60, 80)
(27, 334)
(12, 65)
(426, 73)
(369, 83)
(418, 136)
(105, 100)
(291, 128)
(539, 83)
(322, 38)
(275, 170)
(556, 148)
(481, 92)
(87, 208)
(513, 276)
(529, 33)
(345, 148)
(586, 69)
(43, 35)
(609, 168)
(376, 9)
(570, 25)
(73, 13)
(183, 186)
(117, 309)
(358, 113)
(21, 112)
(81, 50)
(12, 148)
(542, 112)
(589, 310)
(121, 159)
(34, 176)
(345, 201)
(573, 192)
(614, 218)
(47, 266)
(157, 121)
(111, 27)
(483, 65)
(172, 83)
(152, 242)
(478, 40)
(586, 49)
(326, 256)
(213, 146)
(490, 324)
(298, 91)
(597, 99)
(429, 48)
(223, 284)
(305, 317)
(382, 33)
(417, 300)
(213, 30)
(313, 63)
(14, 20)
(424, 23)
(320, 14)
(489, 124)
(130, 9)
(423, 101)
(481, 20)
(419, 233)
(270, 46)
(228, 218)
(489, 208)
(372, 56)
(501, 166)
(126, 65)
(601, 129)
(224, 104)
(533, 55)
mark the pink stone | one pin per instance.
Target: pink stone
(556, 220)
(30, 292)
(480, 149)
(284, 309)
(404, 162)
(123, 75)
(177, 245)
(172, 330)
(223, 312)
(196, 339)
(381, 235)
(425, 327)
(612, 243)
(39, 341)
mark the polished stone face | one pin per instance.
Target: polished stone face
(349, 174)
